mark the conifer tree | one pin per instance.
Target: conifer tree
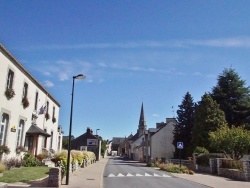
(208, 117)
(183, 129)
(233, 97)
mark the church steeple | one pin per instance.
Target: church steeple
(142, 123)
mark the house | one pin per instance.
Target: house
(161, 142)
(136, 151)
(88, 142)
(29, 113)
(117, 146)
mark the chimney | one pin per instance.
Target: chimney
(88, 130)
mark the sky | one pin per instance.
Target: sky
(131, 52)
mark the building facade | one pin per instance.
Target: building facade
(161, 142)
(29, 114)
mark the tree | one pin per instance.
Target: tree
(208, 117)
(103, 147)
(183, 129)
(233, 97)
(234, 141)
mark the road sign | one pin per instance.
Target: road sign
(180, 145)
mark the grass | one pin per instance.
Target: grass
(24, 174)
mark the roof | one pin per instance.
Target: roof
(82, 140)
(117, 140)
(135, 137)
(35, 130)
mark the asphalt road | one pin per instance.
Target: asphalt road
(120, 173)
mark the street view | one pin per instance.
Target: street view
(125, 93)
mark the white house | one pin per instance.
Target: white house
(161, 142)
(29, 114)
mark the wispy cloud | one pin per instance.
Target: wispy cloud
(236, 42)
(48, 83)
(156, 115)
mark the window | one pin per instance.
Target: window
(10, 79)
(47, 116)
(20, 133)
(47, 107)
(3, 128)
(36, 101)
(59, 143)
(53, 115)
(25, 90)
(51, 139)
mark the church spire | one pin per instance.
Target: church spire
(142, 123)
(141, 115)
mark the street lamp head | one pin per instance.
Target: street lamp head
(79, 76)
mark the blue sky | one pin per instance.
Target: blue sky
(130, 52)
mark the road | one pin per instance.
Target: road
(120, 173)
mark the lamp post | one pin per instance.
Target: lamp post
(96, 131)
(79, 76)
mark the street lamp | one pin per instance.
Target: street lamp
(79, 76)
(96, 131)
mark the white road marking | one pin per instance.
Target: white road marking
(156, 175)
(120, 175)
(111, 175)
(166, 176)
(137, 174)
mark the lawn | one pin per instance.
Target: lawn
(24, 174)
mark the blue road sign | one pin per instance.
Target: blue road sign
(180, 145)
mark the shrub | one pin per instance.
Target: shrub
(200, 151)
(77, 156)
(203, 159)
(29, 160)
(170, 167)
(4, 149)
(233, 164)
(2, 167)
(41, 156)
(20, 149)
(62, 155)
(12, 163)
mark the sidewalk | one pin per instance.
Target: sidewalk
(213, 181)
(90, 176)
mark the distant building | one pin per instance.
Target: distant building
(29, 113)
(116, 141)
(88, 142)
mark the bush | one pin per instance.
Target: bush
(2, 167)
(4, 149)
(77, 156)
(61, 156)
(233, 164)
(170, 167)
(203, 160)
(200, 151)
(29, 160)
(41, 156)
(20, 149)
(12, 163)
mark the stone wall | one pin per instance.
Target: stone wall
(54, 177)
(234, 173)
